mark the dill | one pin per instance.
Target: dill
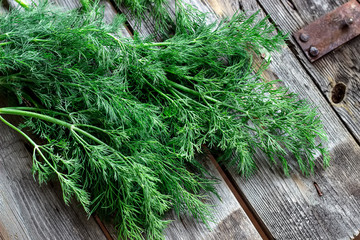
(120, 120)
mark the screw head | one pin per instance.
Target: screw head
(304, 37)
(349, 21)
(346, 22)
(313, 51)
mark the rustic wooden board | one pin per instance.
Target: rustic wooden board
(30, 211)
(231, 222)
(27, 210)
(291, 208)
(339, 67)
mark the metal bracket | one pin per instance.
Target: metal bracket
(330, 31)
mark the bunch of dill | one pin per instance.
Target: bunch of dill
(119, 120)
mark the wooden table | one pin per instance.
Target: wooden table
(267, 205)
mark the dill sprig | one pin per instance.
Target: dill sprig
(157, 11)
(120, 120)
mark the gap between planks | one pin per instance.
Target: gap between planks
(340, 66)
(254, 218)
(103, 228)
(292, 46)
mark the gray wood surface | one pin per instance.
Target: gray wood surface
(231, 222)
(29, 211)
(341, 67)
(290, 207)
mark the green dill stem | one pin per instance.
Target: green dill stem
(158, 91)
(31, 100)
(5, 43)
(12, 111)
(39, 40)
(31, 142)
(159, 44)
(85, 4)
(72, 127)
(19, 131)
(188, 90)
(36, 109)
(22, 4)
(178, 94)
(32, 40)
(93, 127)
(121, 44)
(4, 36)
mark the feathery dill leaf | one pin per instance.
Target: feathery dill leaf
(157, 10)
(123, 118)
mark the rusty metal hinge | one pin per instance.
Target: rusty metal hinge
(330, 31)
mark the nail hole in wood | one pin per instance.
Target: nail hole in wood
(338, 93)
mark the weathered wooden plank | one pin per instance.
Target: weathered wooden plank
(30, 211)
(338, 69)
(230, 220)
(36, 205)
(291, 207)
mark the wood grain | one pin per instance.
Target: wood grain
(291, 207)
(340, 67)
(30, 211)
(231, 222)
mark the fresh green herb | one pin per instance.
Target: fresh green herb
(157, 9)
(120, 120)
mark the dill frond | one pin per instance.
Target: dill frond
(122, 118)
